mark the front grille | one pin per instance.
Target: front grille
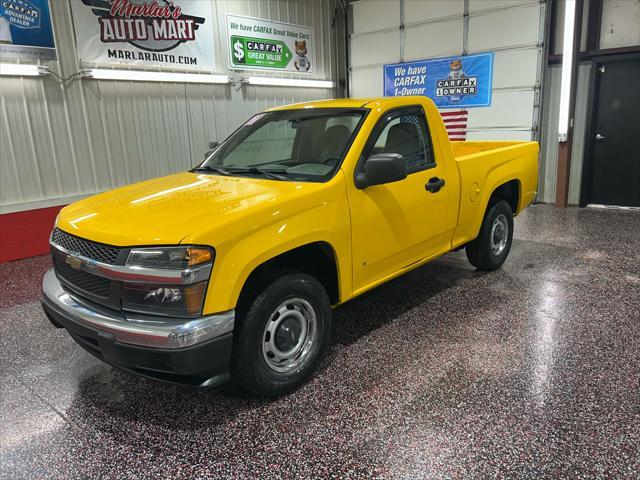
(94, 250)
(101, 287)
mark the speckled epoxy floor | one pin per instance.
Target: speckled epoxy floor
(530, 371)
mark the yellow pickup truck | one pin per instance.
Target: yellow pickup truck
(230, 270)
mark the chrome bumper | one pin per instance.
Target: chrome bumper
(146, 331)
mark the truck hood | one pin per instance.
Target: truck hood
(168, 209)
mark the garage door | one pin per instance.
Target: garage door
(392, 31)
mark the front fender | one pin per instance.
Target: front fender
(322, 221)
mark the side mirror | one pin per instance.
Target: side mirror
(381, 168)
(212, 147)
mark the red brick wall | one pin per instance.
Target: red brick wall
(26, 234)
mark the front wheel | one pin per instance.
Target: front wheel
(282, 336)
(491, 248)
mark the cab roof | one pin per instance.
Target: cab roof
(333, 103)
(371, 102)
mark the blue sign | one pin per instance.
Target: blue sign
(451, 82)
(25, 29)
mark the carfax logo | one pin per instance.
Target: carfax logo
(154, 26)
(20, 13)
(250, 46)
(259, 52)
(457, 84)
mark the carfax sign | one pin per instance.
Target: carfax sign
(25, 29)
(451, 82)
(256, 44)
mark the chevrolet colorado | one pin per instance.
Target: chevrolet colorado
(231, 270)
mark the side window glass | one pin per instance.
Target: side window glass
(407, 135)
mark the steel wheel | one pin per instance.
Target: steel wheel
(289, 336)
(499, 235)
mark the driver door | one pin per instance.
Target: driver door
(397, 224)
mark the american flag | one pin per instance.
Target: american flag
(456, 124)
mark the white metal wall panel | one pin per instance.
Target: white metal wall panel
(515, 68)
(365, 82)
(415, 11)
(523, 135)
(375, 48)
(374, 15)
(620, 23)
(58, 143)
(428, 40)
(504, 28)
(476, 6)
(508, 109)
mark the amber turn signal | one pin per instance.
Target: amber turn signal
(198, 255)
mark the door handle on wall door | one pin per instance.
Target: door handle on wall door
(434, 184)
(599, 137)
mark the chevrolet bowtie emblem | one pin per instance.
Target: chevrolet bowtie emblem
(74, 262)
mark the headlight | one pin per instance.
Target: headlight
(168, 300)
(176, 258)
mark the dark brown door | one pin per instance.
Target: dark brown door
(615, 144)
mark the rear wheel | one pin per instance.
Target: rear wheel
(283, 335)
(491, 248)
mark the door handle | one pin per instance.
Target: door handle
(434, 184)
(599, 137)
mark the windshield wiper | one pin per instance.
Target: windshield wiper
(209, 168)
(237, 169)
(259, 171)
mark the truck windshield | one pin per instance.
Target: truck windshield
(301, 144)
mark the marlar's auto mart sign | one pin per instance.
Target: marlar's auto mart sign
(152, 33)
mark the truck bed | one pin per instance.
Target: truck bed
(483, 164)
(462, 149)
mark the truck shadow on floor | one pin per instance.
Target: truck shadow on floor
(390, 300)
(110, 393)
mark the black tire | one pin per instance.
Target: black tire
(479, 251)
(250, 367)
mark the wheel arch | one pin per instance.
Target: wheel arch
(317, 259)
(509, 191)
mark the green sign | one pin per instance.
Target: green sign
(258, 44)
(259, 52)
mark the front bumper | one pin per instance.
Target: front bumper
(195, 352)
